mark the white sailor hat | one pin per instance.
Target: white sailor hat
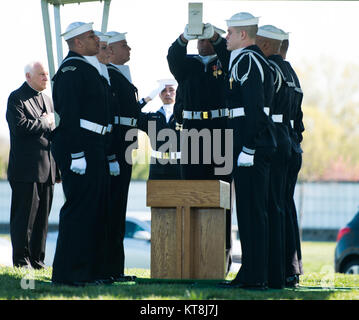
(271, 32)
(242, 19)
(115, 36)
(168, 82)
(101, 36)
(76, 28)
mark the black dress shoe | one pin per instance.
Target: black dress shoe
(239, 285)
(23, 263)
(124, 278)
(69, 283)
(292, 282)
(77, 283)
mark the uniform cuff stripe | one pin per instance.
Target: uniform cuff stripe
(181, 43)
(248, 151)
(77, 155)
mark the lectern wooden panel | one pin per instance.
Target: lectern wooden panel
(164, 253)
(188, 228)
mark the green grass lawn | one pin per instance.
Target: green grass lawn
(318, 282)
(318, 256)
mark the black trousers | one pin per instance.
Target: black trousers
(195, 163)
(293, 252)
(276, 216)
(30, 208)
(251, 189)
(202, 142)
(167, 171)
(116, 224)
(81, 251)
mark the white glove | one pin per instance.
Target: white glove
(208, 32)
(157, 91)
(50, 118)
(78, 165)
(245, 160)
(114, 168)
(187, 36)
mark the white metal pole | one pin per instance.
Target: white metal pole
(58, 33)
(105, 14)
(48, 39)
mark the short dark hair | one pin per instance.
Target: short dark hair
(284, 46)
(251, 30)
(71, 43)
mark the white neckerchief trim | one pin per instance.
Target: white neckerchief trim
(234, 54)
(101, 68)
(104, 73)
(94, 62)
(125, 70)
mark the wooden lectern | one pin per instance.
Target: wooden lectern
(188, 228)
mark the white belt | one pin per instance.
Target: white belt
(132, 122)
(195, 115)
(116, 120)
(109, 128)
(200, 115)
(219, 113)
(292, 123)
(277, 118)
(237, 112)
(94, 127)
(165, 155)
(266, 110)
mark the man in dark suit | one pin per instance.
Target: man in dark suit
(31, 171)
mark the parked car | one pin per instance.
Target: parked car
(347, 249)
(137, 241)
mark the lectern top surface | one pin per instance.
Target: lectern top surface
(192, 193)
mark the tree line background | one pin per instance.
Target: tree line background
(331, 119)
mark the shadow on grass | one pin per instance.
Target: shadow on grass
(13, 286)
